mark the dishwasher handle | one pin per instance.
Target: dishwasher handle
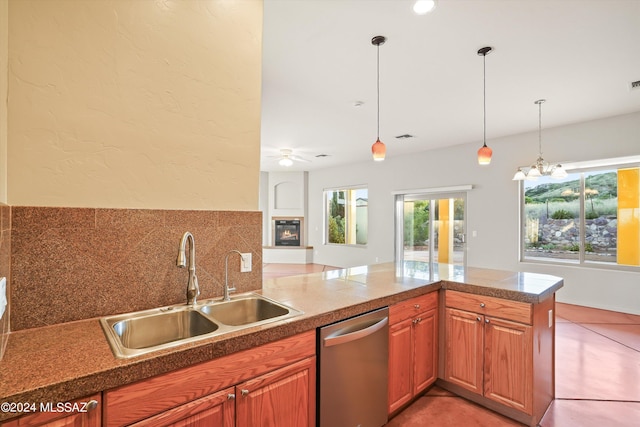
(356, 335)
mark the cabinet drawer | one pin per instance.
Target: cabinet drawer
(505, 309)
(407, 309)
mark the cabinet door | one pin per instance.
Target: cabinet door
(508, 363)
(215, 410)
(90, 417)
(425, 351)
(283, 398)
(400, 364)
(464, 349)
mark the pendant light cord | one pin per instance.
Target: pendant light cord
(540, 127)
(378, 90)
(484, 97)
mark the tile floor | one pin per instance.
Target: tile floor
(597, 373)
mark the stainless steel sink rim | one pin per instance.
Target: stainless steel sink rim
(123, 352)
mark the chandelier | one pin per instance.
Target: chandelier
(540, 167)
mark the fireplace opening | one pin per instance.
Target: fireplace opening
(287, 232)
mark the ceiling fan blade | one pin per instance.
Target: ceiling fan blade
(299, 159)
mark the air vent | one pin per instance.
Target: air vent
(634, 85)
(405, 136)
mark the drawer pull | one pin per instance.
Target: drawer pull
(91, 405)
(478, 319)
(231, 396)
(245, 392)
(482, 304)
(416, 306)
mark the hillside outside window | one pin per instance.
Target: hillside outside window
(591, 217)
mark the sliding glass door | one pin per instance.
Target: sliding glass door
(431, 227)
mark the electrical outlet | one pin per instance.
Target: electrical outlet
(245, 263)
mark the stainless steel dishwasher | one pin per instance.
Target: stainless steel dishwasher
(353, 371)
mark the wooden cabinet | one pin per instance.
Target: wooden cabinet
(489, 351)
(85, 412)
(214, 410)
(285, 397)
(413, 349)
(272, 384)
(464, 349)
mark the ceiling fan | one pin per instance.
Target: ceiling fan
(287, 158)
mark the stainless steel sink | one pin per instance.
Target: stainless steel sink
(244, 310)
(133, 334)
(144, 331)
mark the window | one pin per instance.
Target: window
(591, 217)
(346, 216)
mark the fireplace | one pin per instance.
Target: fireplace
(287, 232)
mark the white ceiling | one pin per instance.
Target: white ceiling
(318, 60)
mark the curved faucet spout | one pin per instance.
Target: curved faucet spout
(193, 290)
(227, 289)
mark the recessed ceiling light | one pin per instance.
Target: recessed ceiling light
(422, 7)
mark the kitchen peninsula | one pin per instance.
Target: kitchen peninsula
(69, 361)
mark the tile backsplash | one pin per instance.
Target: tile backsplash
(76, 263)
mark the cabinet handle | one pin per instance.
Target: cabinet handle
(482, 304)
(91, 405)
(244, 392)
(486, 320)
(416, 306)
(231, 396)
(478, 319)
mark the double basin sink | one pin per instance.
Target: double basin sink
(133, 334)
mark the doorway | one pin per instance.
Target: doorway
(431, 227)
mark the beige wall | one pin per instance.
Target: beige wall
(134, 104)
(4, 56)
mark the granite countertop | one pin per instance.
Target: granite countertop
(71, 360)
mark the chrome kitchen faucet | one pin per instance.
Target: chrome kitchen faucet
(227, 289)
(193, 290)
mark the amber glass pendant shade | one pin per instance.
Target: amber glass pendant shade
(378, 149)
(484, 155)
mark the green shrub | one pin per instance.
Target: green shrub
(562, 214)
(588, 247)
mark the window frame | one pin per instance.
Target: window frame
(348, 219)
(577, 168)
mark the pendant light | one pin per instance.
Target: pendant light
(484, 153)
(540, 167)
(378, 149)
